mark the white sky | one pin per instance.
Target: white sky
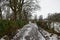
(48, 6)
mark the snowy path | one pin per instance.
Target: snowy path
(31, 32)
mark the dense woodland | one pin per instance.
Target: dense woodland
(21, 14)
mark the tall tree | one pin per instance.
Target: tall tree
(19, 5)
(0, 13)
(40, 17)
(35, 18)
(30, 6)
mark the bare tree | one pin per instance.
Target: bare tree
(35, 18)
(18, 7)
(40, 18)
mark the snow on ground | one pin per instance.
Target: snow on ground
(30, 31)
(47, 35)
(56, 26)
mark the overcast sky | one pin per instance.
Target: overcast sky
(48, 6)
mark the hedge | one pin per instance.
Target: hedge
(7, 27)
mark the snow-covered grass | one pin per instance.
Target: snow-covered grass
(48, 35)
(56, 26)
